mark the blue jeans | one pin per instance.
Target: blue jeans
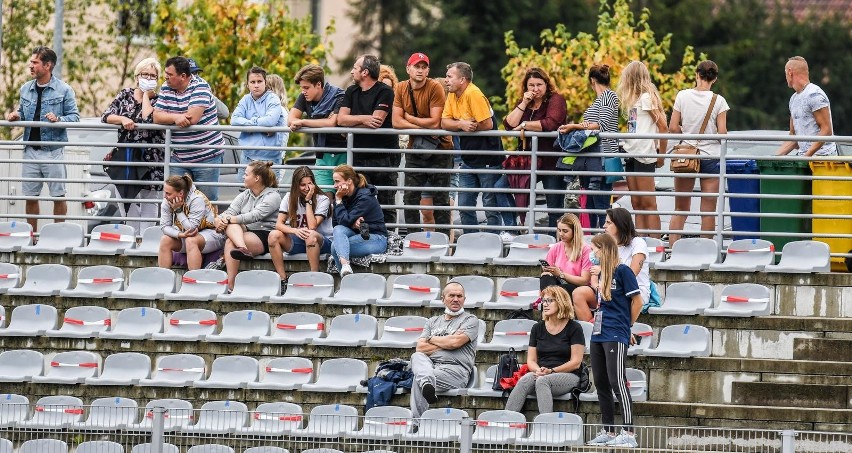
(506, 200)
(468, 199)
(201, 174)
(601, 202)
(554, 200)
(346, 243)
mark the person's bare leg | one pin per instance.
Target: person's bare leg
(584, 300)
(32, 208)
(682, 204)
(167, 246)
(232, 266)
(278, 243)
(60, 208)
(645, 203)
(427, 214)
(312, 248)
(236, 234)
(194, 247)
(708, 205)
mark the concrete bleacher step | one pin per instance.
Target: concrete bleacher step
(818, 396)
(745, 416)
(822, 349)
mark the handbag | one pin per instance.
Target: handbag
(690, 164)
(421, 141)
(613, 165)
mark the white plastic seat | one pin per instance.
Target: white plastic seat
(253, 286)
(743, 300)
(43, 446)
(200, 285)
(422, 247)
(149, 283)
(400, 332)
(137, 323)
(656, 250)
(475, 248)
(19, 365)
(509, 333)
(244, 326)
(10, 276)
(266, 449)
(72, 367)
(645, 338)
(210, 448)
(485, 381)
(438, 425)
(110, 239)
(148, 448)
(99, 446)
(637, 385)
(111, 413)
(321, 450)
(338, 375)
(83, 322)
(556, 429)
(746, 255)
(189, 324)
(6, 446)
(150, 245)
(44, 280)
(472, 383)
(803, 257)
(295, 328)
(515, 293)
(273, 419)
(305, 288)
(57, 238)
(690, 254)
(177, 414)
(358, 289)
(349, 330)
(14, 235)
(587, 334)
(527, 249)
(13, 409)
(384, 423)
(96, 281)
(412, 290)
(685, 298)
(499, 427)
(219, 417)
(285, 373)
(329, 420)
(682, 340)
(477, 291)
(177, 370)
(55, 412)
(123, 368)
(230, 372)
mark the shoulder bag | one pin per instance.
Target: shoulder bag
(690, 164)
(421, 141)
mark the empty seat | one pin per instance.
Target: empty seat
(477, 291)
(149, 283)
(230, 372)
(109, 414)
(13, 409)
(400, 332)
(176, 415)
(587, 333)
(148, 448)
(266, 449)
(682, 340)
(475, 248)
(189, 324)
(690, 254)
(802, 257)
(273, 419)
(99, 446)
(384, 423)
(200, 285)
(20, 365)
(253, 286)
(43, 446)
(58, 238)
(53, 412)
(742, 299)
(96, 281)
(110, 239)
(359, 289)
(150, 245)
(422, 247)
(2, 316)
(6, 446)
(644, 335)
(685, 298)
(123, 368)
(486, 380)
(746, 255)
(244, 326)
(509, 333)
(178, 370)
(515, 293)
(527, 249)
(499, 427)
(219, 417)
(338, 375)
(83, 322)
(137, 323)
(656, 250)
(349, 330)
(412, 290)
(295, 328)
(71, 367)
(285, 373)
(14, 235)
(210, 448)
(44, 280)
(556, 429)
(306, 288)
(329, 420)
(10, 276)
(438, 425)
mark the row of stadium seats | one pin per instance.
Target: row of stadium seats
(107, 446)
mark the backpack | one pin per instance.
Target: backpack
(583, 386)
(506, 368)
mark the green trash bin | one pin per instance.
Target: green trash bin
(788, 186)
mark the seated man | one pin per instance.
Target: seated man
(445, 351)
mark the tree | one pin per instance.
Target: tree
(386, 28)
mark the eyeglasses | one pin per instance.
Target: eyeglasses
(149, 76)
(547, 301)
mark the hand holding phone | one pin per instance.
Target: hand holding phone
(544, 263)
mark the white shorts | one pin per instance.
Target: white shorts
(212, 241)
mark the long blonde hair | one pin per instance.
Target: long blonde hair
(608, 255)
(275, 84)
(573, 222)
(635, 80)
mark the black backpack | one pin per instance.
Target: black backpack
(506, 368)
(583, 386)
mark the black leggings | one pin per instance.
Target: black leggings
(549, 280)
(608, 365)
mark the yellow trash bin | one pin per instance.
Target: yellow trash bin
(833, 207)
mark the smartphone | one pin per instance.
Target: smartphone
(544, 263)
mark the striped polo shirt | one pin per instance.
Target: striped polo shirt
(196, 94)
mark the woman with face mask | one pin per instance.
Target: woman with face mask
(135, 106)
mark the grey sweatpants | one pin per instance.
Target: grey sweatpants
(544, 387)
(443, 376)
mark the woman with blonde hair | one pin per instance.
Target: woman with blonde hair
(276, 85)
(568, 260)
(642, 106)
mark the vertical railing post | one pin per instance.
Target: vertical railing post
(720, 202)
(158, 429)
(167, 150)
(350, 145)
(788, 441)
(533, 183)
(466, 435)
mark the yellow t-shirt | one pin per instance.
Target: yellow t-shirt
(472, 104)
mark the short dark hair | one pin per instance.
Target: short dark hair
(256, 70)
(45, 55)
(463, 69)
(371, 64)
(181, 65)
(623, 222)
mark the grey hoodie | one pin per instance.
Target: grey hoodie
(255, 212)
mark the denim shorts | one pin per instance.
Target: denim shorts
(709, 166)
(53, 172)
(300, 247)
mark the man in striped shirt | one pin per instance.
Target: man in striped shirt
(185, 100)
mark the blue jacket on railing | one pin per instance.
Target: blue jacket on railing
(58, 98)
(264, 111)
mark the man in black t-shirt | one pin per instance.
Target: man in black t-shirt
(368, 104)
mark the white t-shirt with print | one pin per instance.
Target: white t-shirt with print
(625, 254)
(802, 108)
(692, 105)
(322, 208)
(640, 121)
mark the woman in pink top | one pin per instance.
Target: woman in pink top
(568, 259)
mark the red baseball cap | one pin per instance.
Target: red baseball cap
(417, 58)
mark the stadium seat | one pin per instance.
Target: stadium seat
(527, 249)
(306, 288)
(244, 326)
(72, 367)
(210, 448)
(656, 250)
(285, 373)
(148, 448)
(349, 330)
(54, 412)
(587, 333)
(148, 283)
(321, 450)
(484, 388)
(438, 425)
(472, 383)
(10, 277)
(358, 289)
(44, 280)
(266, 449)
(137, 323)
(338, 375)
(743, 300)
(556, 429)
(177, 414)
(803, 257)
(96, 282)
(515, 293)
(219, 417)
(509, 333)
(273, 419)
(682, 340)
(6, 446)
(400, 332)
(110, 239)
(383, 423)
(690, 254)
(13, 409)
(329, 420)
(43, 446)
(57, 238)
(110, 414)
(2, 316)
(644, 338)
(412, 290)
(499, 427)
(99, 446)
(14, 235)
(637, 385)
(177, 370)
(20, 365)
(83, 322)
(200, 285)
(295, 328)
(123, 368)
(150, 245)
(422, 247)
(685, 298)
(746, 255)
(230, 372)
(189, 324)
(253, 286)
(475, 248)
(477, 291)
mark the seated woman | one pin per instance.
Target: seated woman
(556, 350)
(568, 259)
(304, 224)
(186, 218)
(250, 217)
(358, 218)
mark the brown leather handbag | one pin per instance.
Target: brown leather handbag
(690, 164)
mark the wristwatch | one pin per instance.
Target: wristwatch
(524, 125)
(309, 202)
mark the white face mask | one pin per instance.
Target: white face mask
(453, 313)
(147, 85)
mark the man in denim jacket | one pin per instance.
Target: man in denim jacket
(45, 98)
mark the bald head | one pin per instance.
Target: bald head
(798, 65)
(796, 72)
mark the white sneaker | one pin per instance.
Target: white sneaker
(507, 237)
(623, 439)
(345, 270)
(603, 438)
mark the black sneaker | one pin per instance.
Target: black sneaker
(284, 285)
(428, 391)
